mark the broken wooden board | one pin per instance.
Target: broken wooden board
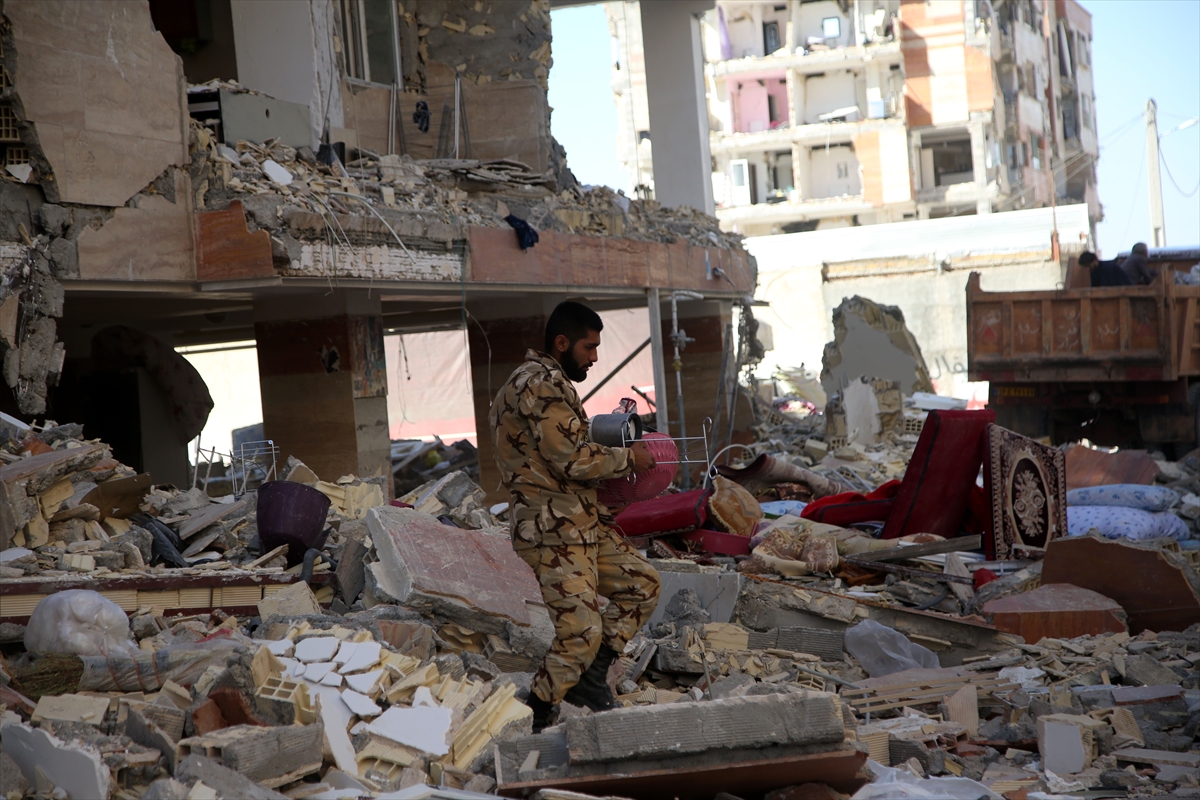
(1056, 611)
(201, 519)
(1087, 467)
(40, 472)
(1163, 598)
(956, 545)
(119, 498)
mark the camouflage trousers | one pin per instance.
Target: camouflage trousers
(573, 578)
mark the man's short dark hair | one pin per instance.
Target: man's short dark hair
(572, 320)
(1088, 259)
(1141, 249)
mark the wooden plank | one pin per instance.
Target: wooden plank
(201, 519)
(955, 567)
(963, 707)
(957, 544)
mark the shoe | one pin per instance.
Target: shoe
(592, 691)
(543, 712)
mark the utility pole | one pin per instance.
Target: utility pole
(1158, 230)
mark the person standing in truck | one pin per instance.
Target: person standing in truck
(1104, 273)
(1137, 267)
(559, 527)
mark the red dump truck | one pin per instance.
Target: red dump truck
(1119, 366)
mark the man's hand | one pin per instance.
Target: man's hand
(642, 459)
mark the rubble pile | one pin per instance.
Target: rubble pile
(391, 650)
(424, 201)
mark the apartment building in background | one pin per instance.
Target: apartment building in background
(834, 113)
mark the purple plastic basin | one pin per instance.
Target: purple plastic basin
(292, 514)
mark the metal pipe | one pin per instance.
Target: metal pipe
(616, 369)
(654, 307)
(680, 340)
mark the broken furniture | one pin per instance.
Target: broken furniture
(1157, 588)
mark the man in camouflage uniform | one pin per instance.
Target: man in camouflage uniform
(540, 435)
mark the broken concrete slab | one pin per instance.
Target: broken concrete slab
(872, 339)
(271, 756)
(71, 708)
(76, 768)
(148, 734)
(470, 577)
(1056, 611)
(684, 728)
(1068, 742)
(225, 781)
(717, 592)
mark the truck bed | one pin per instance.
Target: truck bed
(1126, 333)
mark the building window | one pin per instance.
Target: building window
(770, 37)
(843, 169)
(370, 50)
(831, 27)
(1084, 49)
(1035, 145)
(8, 125)
(1087, 112)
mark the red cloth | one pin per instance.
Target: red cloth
(982, 577)
(940, 478)
(672, 513)
(848, 508)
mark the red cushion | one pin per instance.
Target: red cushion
(847, 508)
(720, 542)
(938, 482)
(672, 513)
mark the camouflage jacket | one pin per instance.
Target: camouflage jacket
(540, 435)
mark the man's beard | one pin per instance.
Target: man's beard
(573, 369)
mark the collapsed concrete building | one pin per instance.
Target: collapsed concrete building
(305, 175)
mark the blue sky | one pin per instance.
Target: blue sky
(1141, 49)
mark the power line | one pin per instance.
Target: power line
(1163, 159)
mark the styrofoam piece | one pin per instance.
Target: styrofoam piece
(362, 726)
(77, 770)
(365, 656)
(317, 672)
(340, 787)
(423, 728)
(277, 172)
(317, 648)
(360, 704)
(229, 154)
(424, 697)
(335, 717)
(364, 682)
(332, 679)
(281, 648)
(344, 652)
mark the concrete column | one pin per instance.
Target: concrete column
(802, 170)
(678, 110)
(794, 112)
(799, 95)
(876, 109)
(323, 380)
(983, 205)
